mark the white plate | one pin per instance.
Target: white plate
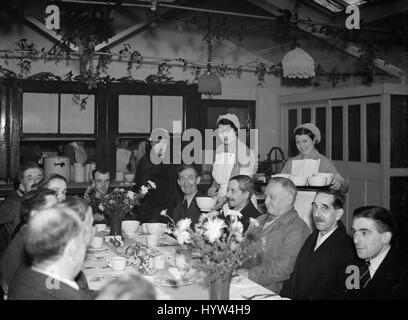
(90, 249)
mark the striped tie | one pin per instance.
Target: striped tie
(365, 274)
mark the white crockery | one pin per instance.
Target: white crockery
(117, 263)
(152, 240)
(329, 177)
(96, 242)
(317, 181)
(299, 180)
(100, 227)
(130, 226)
(129, 177)
(206, 203)
(154, 228)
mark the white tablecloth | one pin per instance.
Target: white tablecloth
(99, 274)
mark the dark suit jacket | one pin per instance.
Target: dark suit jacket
(321, 274)
(193, 212)
(9, 218)
(390, 281)
(248, 212)
(31, 285)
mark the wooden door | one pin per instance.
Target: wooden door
(354, 145)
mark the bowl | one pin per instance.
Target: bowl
(281, 175)
(299, 180)
(130, 226)
(329, 177)
(129, 177)
(317, 181)
(206, 203)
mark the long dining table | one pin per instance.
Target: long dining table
(99, 273)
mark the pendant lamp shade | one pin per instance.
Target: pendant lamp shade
(209, 83)
(297, 63)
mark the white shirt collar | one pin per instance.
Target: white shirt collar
(70, 283)
(322, 238)
(376, 262)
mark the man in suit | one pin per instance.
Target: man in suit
(383, 271)
(28, 176)
(98, 189)
(14, 256)
(188, 180)
(319, 271)
(56, 241)
(239, 192)
(278, 235)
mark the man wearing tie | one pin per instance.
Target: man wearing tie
(319, 271)
(188, 179)
(383, 269)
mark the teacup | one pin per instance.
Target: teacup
(96, 242)
(159, 262)
(117, 263)
(130, 226)
(152, 240)
(100, 227)
(154, 228)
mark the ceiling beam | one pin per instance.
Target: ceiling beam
(383, 10)
(137, 28)
(50, 33)
(350, 49)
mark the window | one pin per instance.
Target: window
(306, 115)
(45, 113)
(321, 124)
(337, 133)
(373, 115)
(354, 133)
(292, 125)
(399, 131)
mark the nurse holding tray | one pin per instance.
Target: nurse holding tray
(307, 135)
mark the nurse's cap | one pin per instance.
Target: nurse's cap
(159, 134)
(231, 117)
(311, 127)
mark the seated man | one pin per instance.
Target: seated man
(279, 235)
(98, 189)
(239, 192)
(188, 179)
(14, 256)
(319, 271)
(29, 175)
(56, 241)
(383, 273)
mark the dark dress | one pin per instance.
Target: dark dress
(166, 194)
(321, 274)
(390, 281)
(193, 212)
(31, 285)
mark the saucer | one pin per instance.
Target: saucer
(90, 249)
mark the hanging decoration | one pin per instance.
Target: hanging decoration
(297, 63)
(209, 83)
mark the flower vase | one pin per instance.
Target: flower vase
(220, 288)
(115, 224)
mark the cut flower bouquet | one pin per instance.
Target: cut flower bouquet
(216, 244)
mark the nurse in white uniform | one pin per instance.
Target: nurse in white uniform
(232, 157)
